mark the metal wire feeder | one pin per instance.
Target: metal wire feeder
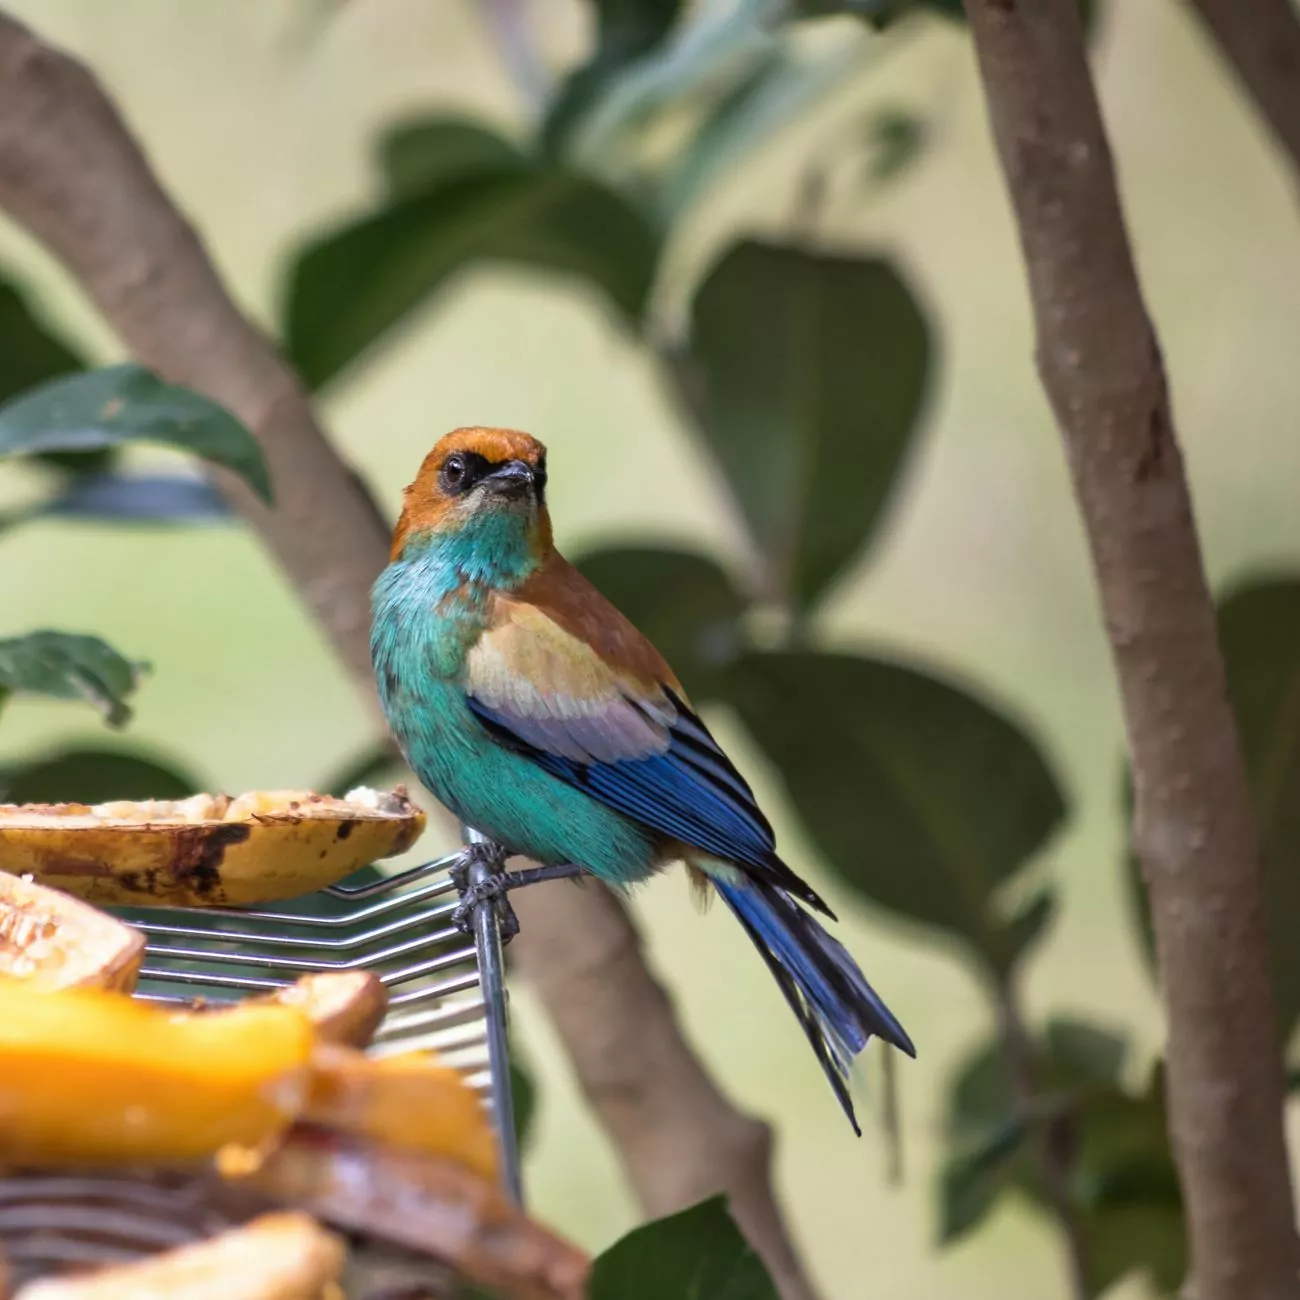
(446, 991)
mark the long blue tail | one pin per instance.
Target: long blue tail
(836, 1006)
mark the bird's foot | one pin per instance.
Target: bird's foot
(485, 885)
(495, 886)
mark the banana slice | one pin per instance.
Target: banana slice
(411, 1101)
(90, 1076)
(208, 850)
(344, 1007)
(54, 941)
(274, 1257)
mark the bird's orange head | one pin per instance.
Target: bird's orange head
(475, 474)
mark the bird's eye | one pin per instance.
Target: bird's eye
(453, 473)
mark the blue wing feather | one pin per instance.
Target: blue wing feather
(690, 792)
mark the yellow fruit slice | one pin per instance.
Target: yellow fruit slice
(89, 1076)
(54, 941)
(274, 1257)
(209, 850)
(344, 1007)
(411, 1101)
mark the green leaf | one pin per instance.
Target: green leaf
(351, 286)
(138, 499)
(895, 139)
(1122, 1179)
(427, 153)
(1259, 630)
(525, 1099)
(69, 667)
(85, 774)
(698, 1254)
(683, 602)
(626, 30)
(811, 371)
(971, 1181)
(921, 797)
(127, 404)
(745, 119)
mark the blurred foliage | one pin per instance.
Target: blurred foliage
(802, 374)
(698, 1254)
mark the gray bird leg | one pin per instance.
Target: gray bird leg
(496, 887)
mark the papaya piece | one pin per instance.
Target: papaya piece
(411, 1101)
(424, 1204)
(89, 1076)
(344, 1007)
(283, 1256)
(208, 850)
(55, 941)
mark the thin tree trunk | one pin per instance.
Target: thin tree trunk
(1261, 41)
(71, 173)
(1194, 827)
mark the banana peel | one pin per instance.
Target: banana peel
(54, 941)
(90, 1076)
(409, 1101)
(345, 1007)
(424, 1204)
(283, 1256)
(209, 850)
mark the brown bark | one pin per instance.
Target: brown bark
(1194, 827)
(71, 173)
(1261, 41)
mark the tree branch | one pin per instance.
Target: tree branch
(73, 176)
(1261, 41)
(1194, 828)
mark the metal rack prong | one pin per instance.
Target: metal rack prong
(398, 926)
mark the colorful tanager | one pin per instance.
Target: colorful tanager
(542, 718)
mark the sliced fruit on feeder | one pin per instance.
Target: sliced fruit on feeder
(89, 1076)
(208, 850)
(344, 1007)
(411, 1101)
(274, 1257)
(54, 941)
(432, 1206)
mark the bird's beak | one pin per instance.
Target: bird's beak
(511, 479)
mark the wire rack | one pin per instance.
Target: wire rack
(446, 990)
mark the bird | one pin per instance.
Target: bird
(535, 711)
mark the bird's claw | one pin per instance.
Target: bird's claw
(492, 888)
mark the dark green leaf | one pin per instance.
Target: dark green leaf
(895, 139)
(1028, 924)
(921, 797)
(139, 498)
(810, 371)
(1080, 1052)
(427, 153)
(92, 775)
(363, 768)
(352, 285)
(127, 404)
(971, 1181)
(525, 1099)
(30, 354)
(1259, 629)
(626, 30)
(70, 667)
(683, 602)
(698, 1254)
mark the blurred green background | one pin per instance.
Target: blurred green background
(259, 116)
